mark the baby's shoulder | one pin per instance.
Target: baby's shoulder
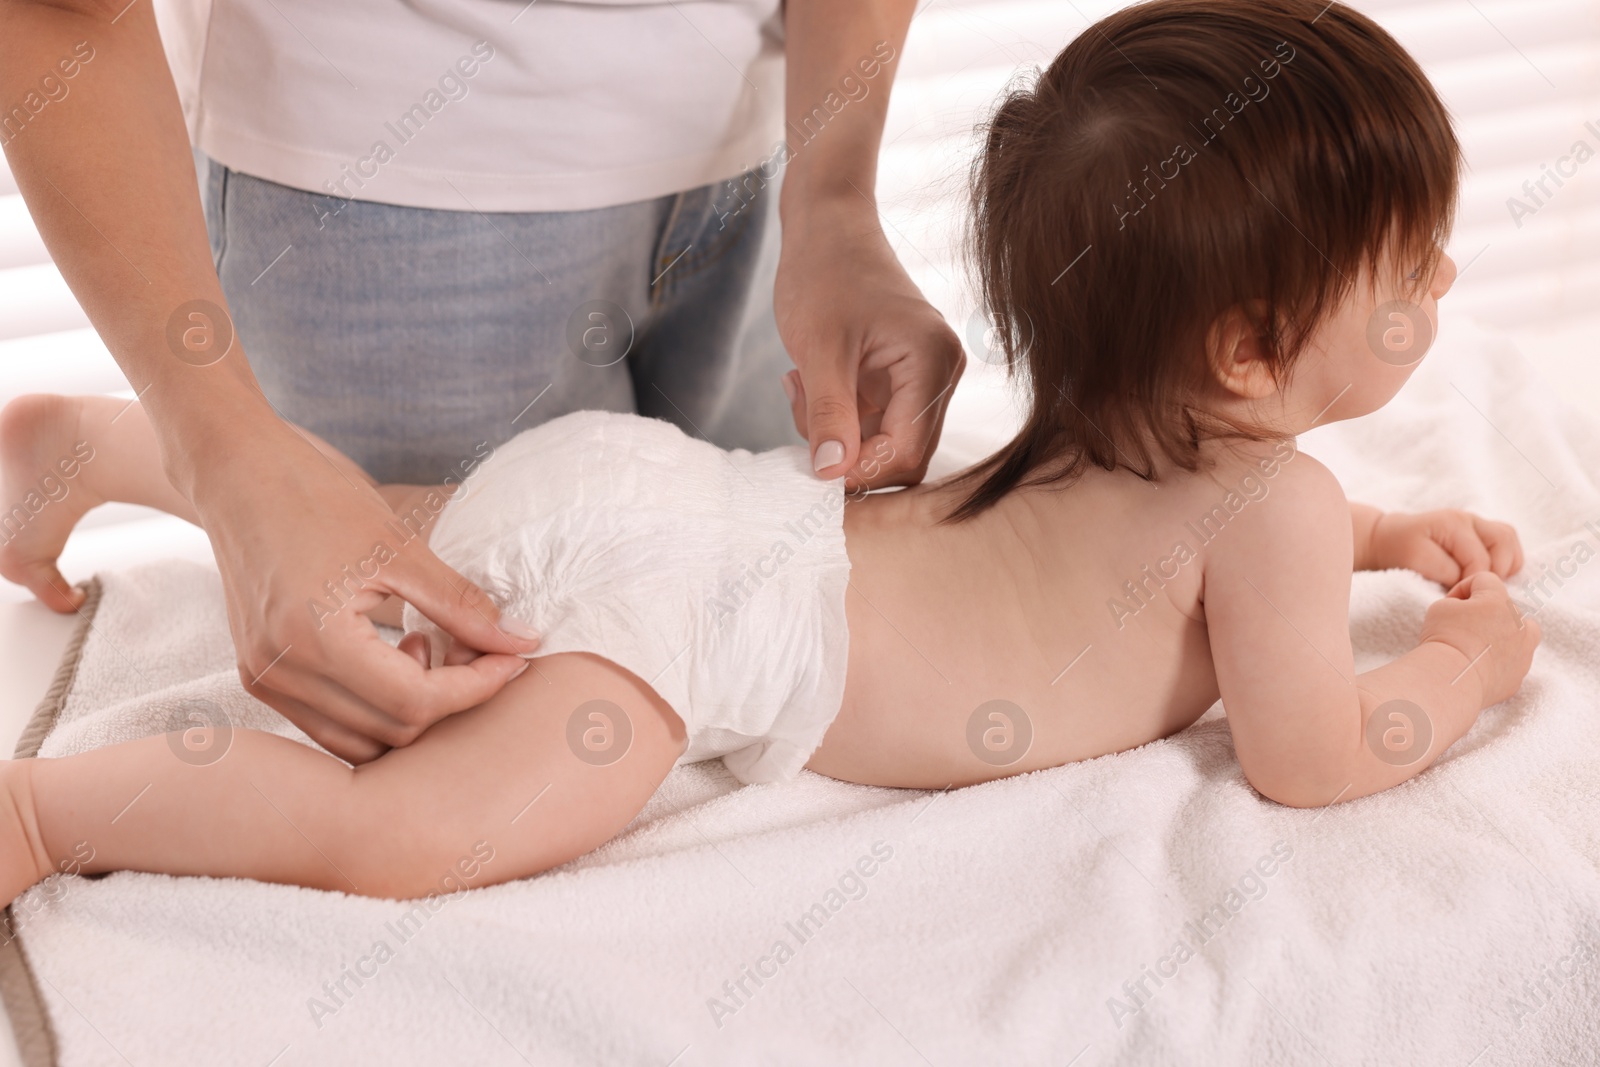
(1262, 468)
(1275, 496)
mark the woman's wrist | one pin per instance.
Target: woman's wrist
(198, 428)
(830, 230)
(825, 194)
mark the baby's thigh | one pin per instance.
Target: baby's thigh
(553, 766)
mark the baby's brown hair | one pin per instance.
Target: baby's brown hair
(1178, 160)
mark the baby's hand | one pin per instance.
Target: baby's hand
(1445, 546)
(1478, 619)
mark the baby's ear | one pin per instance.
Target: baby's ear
(1236, 352)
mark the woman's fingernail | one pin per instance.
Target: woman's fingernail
(517, 628)
(517, 673)
(828, 454)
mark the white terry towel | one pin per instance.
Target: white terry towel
(1452, 920)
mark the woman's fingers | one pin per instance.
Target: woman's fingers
(457, 606)
(458, 654)
(347, 744)
(402, 700)
(415, 645)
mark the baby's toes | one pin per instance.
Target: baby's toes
(43, 579)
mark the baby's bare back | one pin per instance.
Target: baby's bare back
(1060, 625)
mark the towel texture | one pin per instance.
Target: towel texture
(1143, 908)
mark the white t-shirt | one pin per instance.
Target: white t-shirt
(491, 105)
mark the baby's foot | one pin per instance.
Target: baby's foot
(22, 858)
(43, 492)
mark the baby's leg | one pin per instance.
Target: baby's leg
(501, 777)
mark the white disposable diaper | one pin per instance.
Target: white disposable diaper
(716, 577)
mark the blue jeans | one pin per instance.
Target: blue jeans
(410, 337)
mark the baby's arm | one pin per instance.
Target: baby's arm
(1277, 599)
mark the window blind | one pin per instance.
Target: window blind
(1522, 78)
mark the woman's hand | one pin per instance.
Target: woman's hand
(1444, 546)
(876, 363)
(305, 550)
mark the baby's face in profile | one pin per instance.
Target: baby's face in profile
(1362, 354)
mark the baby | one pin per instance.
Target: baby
(1209, 226)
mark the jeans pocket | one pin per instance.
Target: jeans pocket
(215, 205)
(704, 224)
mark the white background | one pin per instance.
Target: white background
(1522, 78)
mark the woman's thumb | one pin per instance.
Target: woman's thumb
(833, 423)
(462, 609)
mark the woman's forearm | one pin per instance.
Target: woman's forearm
(842, 58)
(102, 159)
